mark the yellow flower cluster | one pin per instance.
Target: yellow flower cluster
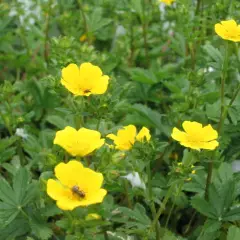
(77, 185)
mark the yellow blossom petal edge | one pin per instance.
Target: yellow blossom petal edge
(84, 80)
(196, 136)
(76, 186)
(79, 143)
(168, 2)
(143, 135)
(228, 30)
(126, 137)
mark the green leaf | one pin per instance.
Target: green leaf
(202, 206)
(214, 54)
(153, 117)
(57, 121)
(17, 228)
(143, 76)
(40, 229)
(6, 193)
(233, 233)
(20, 183)
(7, 142)
(232, 215)
(7, 214)
(31, 193)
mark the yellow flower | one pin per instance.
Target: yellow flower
(168, 2)
(84, 80)
(76, 186)
(83, 38)
(196, 136)
(79, 143)
(228, 30)
(126, 137)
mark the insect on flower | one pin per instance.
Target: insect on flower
(76, 190)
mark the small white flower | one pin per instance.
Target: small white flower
(135, 180)
(236, 166)
(120, 30)
(208, 69)
(21, 133)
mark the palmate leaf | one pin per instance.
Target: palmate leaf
(20, 183)
(16, 197)
(39, 228)
(17, 228)
(6, 193)
(232, 215)
(202, 206)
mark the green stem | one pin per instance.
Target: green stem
(84, 21)
(144, 28)
(190, 223)
(46, 53)
(152, 206)
(222, 115)
(126, 187)
(169, 214)
(223, 79)
(162, 207)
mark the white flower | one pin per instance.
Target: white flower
(21, 133)
(135, 180)
(208, 69)
(236, 166)
(120, 30)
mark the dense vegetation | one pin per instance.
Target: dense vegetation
(119, 119)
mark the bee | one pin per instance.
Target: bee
(75, 189)
(87, 91)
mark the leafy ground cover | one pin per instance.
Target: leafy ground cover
(120, 120)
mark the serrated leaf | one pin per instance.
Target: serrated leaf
(6, 193)
(57, 121)
(20, 184)
(31, 193)
(7, 214)
(232, 215)
(202, 206)
(143, 76)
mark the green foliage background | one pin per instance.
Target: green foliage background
(165, 68)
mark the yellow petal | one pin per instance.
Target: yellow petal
(143, 135)
(229, 23)
(89, 180)
(56, 190)
(101, 85)
(68, 204)
(70, 78)
(68, 173)
(211, 145)
(79, 143)
(112, 136)
(178, 135)
(88, 70)
(220, 30)
(97, 197)
(192, 127)
(209, 133)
